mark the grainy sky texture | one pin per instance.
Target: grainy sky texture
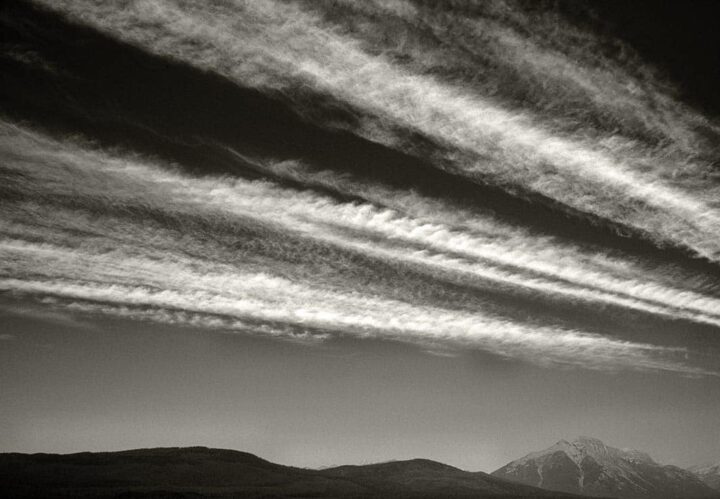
(330, 232)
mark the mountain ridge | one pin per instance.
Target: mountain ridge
(709, 474)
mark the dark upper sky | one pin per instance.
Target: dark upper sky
(334, 232)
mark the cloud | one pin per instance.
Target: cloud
(91, 260)
(272, 45)
(424, 233)
(310, 253)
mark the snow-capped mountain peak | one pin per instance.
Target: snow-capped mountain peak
(588, 466)
(583, 447)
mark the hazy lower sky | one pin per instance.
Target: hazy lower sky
(336, 232)
(71, 385)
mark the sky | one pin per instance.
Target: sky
(342, 232)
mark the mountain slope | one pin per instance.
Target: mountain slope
(425, 478)
(709, 474)
(587, 466)
(200, 472)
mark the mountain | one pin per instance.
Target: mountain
(710, 474)
(200, 472)
(588, 466)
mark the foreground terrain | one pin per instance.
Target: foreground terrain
(202, 472)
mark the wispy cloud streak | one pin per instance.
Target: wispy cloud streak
(483, 249)
(216, 293)
(117, 267)
(279, 45)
